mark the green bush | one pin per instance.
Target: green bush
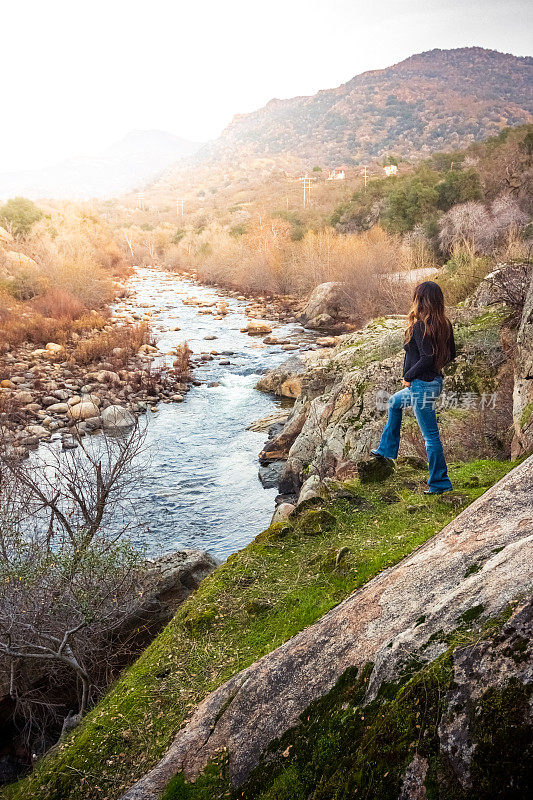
(19, 215)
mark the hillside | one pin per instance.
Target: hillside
(125, 165)
(441, 99)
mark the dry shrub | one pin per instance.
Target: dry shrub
(90, 321)
(266, 259)
(125, 340)
(182, 362)
(36, 329)
(59, 304)
(468, 436)
(8, 307)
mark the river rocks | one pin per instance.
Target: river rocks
(58, 408)
(267, 422)
(38, 430)
(117, 417)
(327, 341)
(330, 307)
(256, 327)
(83, 410)
(278, 448)
(523, 382)
(55, 349)
(270, 474)
(404, 616)
(24, 397)
(283, 511)
(274, 380)
(104, 376)
(92, 424)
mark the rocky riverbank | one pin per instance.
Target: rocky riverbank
(341, 393)
(47, 394)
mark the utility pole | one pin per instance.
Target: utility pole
(307, 190)
(140, 200)
(179, 208)
(365, 174)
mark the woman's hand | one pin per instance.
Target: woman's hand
(405, 383)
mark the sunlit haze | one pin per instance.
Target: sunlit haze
(77, 76)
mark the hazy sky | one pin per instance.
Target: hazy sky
(78, 75)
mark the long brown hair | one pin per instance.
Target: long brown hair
(428, 309)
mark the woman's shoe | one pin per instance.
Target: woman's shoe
(433, 491)
(378, 455)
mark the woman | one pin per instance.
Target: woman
(429, 346)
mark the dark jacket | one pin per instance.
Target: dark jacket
(419, 361)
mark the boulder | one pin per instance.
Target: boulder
(270, 474)
(282, 512)
(265, 423)
(310, 488)
(292, 387)
(403, 617)
(277, 448)
(274, 380)
(83, 410)
(105, 376)
(117, 417)
(170, 579)
(508, 284)
(330, 307)
(256, 327)
(38, 430)
(523, 382)
(54, 348)
(24, 397)
(58, 408)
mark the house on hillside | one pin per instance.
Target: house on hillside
(337, 174)
(390, 170)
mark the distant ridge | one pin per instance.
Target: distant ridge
(137, 158)
(436, 100)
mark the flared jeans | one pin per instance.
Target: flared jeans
(421, 396)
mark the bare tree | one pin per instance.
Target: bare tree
(477, 229)
(67, 574)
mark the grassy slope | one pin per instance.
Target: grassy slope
(260, 597)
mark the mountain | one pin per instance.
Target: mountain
(437, 100)
(137, 158)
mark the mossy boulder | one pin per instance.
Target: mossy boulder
(349, 702)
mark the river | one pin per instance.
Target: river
(200, 485)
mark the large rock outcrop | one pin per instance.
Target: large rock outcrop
(466, 574)
(330, 308)
(342, 407)
(523, 387)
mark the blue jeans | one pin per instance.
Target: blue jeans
(421, 395)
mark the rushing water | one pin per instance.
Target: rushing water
(200, 485)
